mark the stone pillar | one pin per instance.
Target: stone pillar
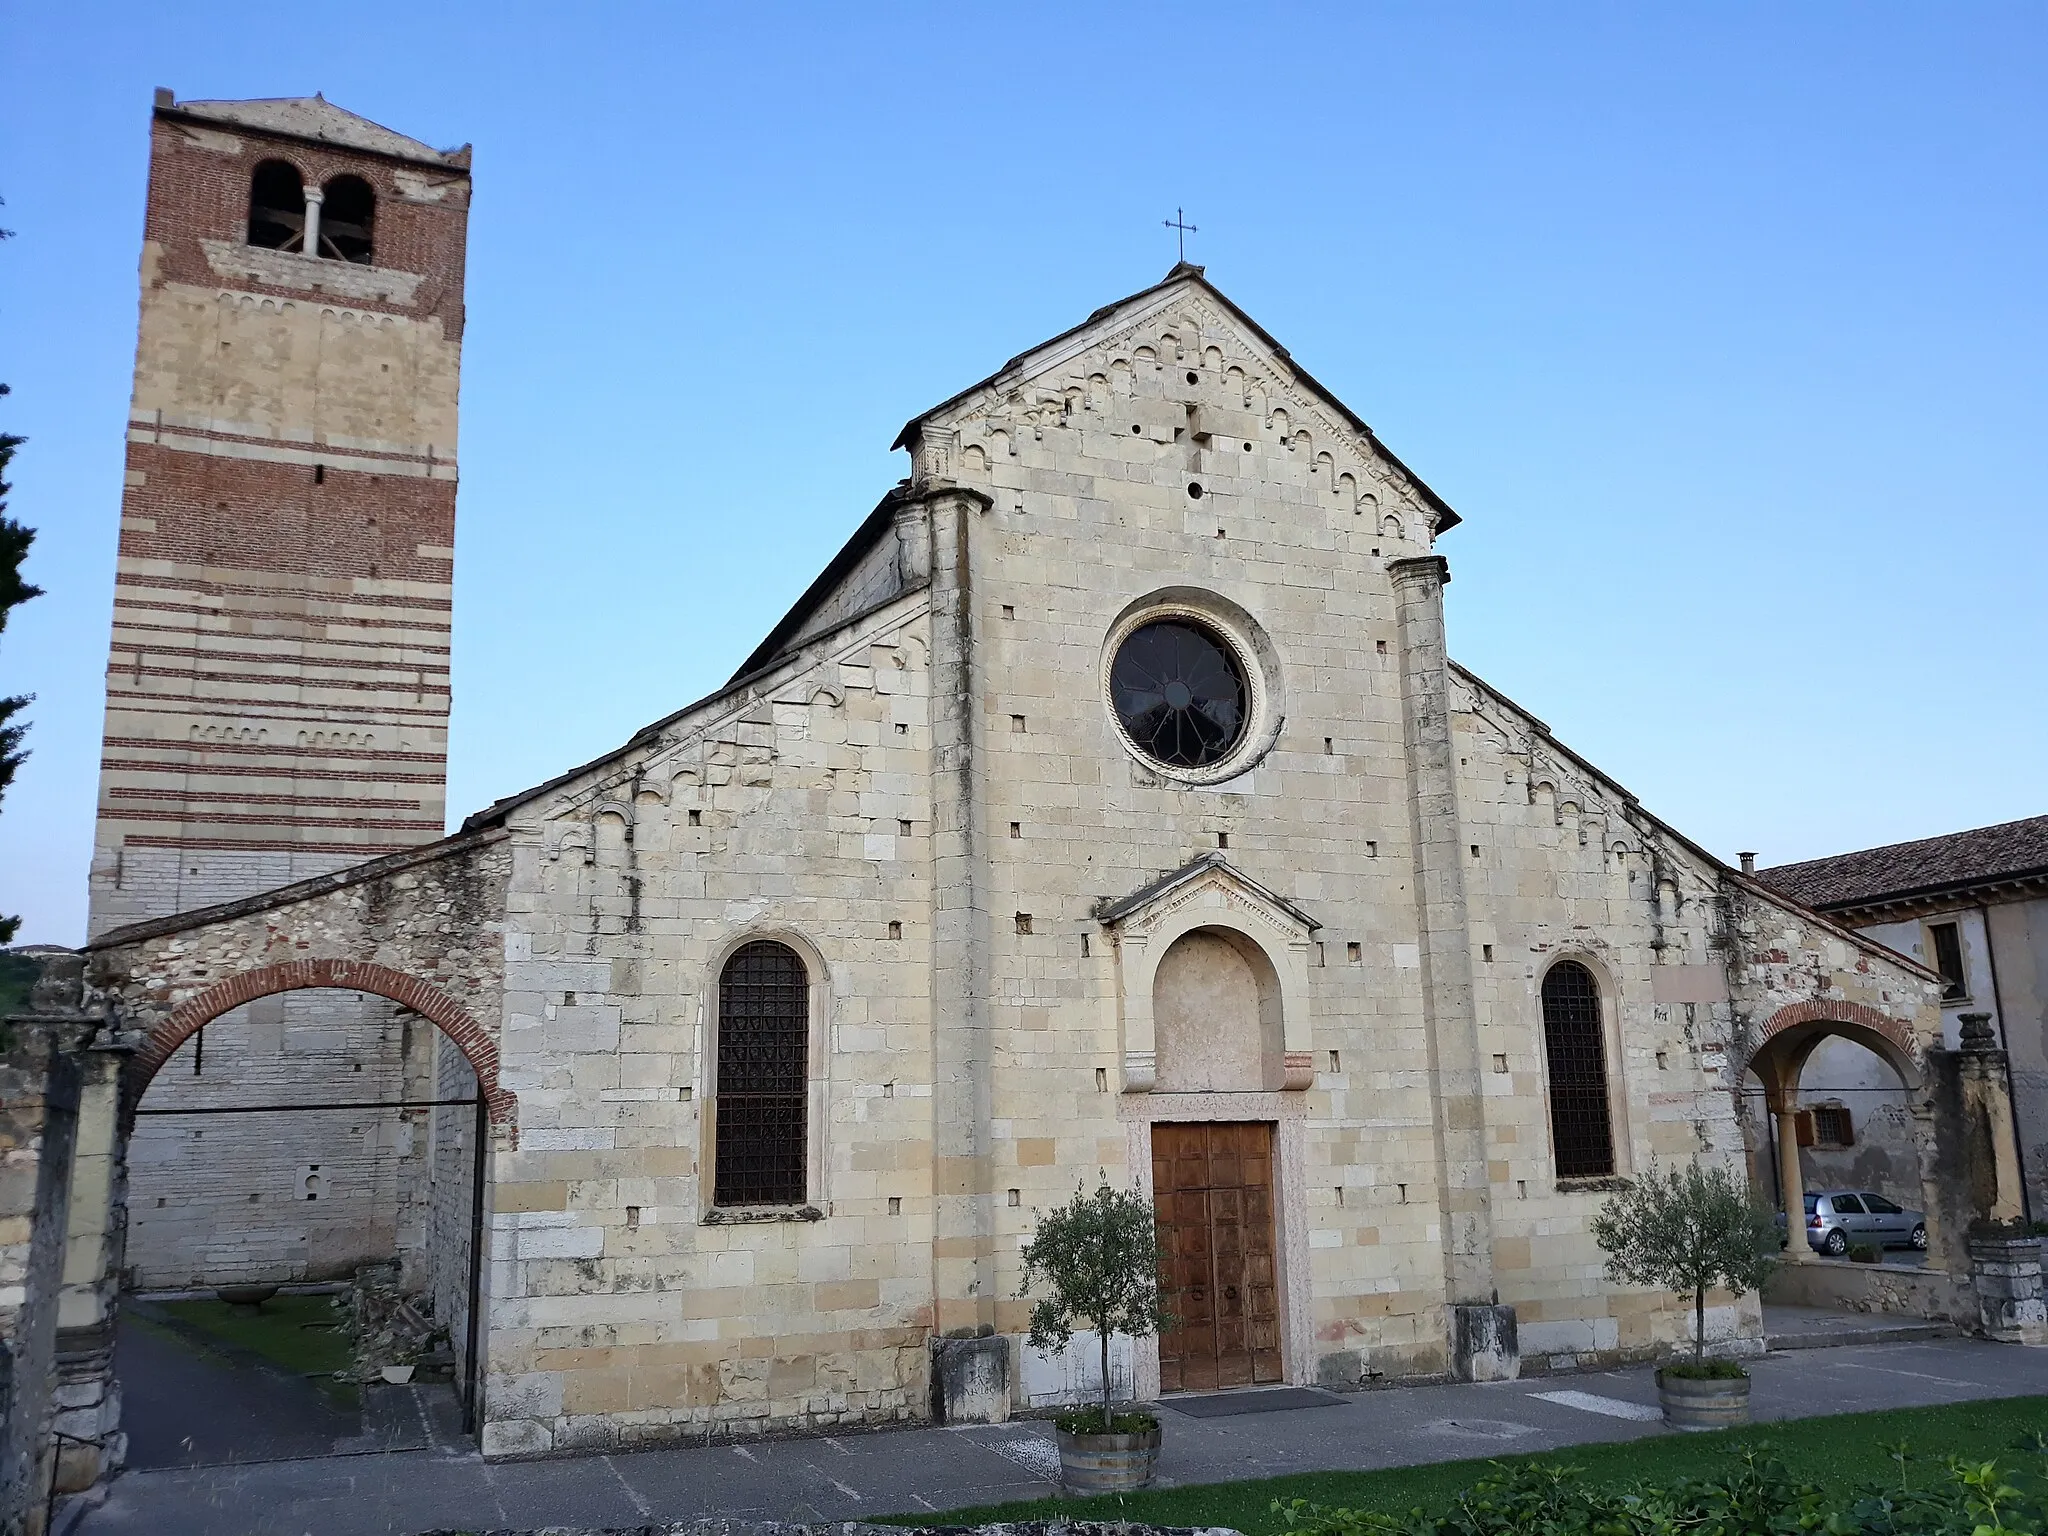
(39, 1087)
(912, 521)
(91, 1446)
(1791, 1180)
(1482, 1340)
(963, 1228)
(315, 196)
(48, 1073)
(2005, 1272)
(1987, 1105)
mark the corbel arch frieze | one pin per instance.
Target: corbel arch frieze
(1210, 894)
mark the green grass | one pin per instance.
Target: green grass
(1840, 1453)
(304, 1335)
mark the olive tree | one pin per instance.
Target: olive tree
(1688, 1229)
(1098, 1256)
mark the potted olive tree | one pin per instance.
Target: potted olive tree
(1692, 1229)
(1098, 1257)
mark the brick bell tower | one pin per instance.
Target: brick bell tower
(277, 685)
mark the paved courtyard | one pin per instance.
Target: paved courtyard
(888, 1472)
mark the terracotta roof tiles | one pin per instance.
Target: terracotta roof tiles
(2009, 850)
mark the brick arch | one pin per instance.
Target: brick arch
(423, 998)
(1894, 1040)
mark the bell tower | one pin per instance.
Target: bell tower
(277, 683)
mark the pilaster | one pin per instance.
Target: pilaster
(963, 1230)
(1449, 1012)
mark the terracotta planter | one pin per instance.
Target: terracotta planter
(1690, 1403)
(1108, 1463)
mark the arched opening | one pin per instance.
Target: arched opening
(1575, 1055)
(1827, 1110)
(348, 220)
(277, 207)
(305, 1174)
(1216, 1015)
(762, 1090)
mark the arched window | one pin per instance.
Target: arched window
(763, 1076)
(1581, 1132)
(277, 207)
(348, 220)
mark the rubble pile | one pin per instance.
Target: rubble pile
(391, 1329)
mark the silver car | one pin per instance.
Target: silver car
(1837, 1219)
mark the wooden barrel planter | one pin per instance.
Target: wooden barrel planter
(1692, 1402)
(1108, 1463)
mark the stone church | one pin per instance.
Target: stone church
(1108, 805)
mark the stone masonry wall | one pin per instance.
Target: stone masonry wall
(619, 1313)
(798, 809)
(282, 1195)
(450, 1196)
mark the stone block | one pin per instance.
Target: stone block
(1484, 1343)
(971, 1380)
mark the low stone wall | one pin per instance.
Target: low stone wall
(1903, 1290)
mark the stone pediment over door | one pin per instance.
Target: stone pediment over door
(1212, 972)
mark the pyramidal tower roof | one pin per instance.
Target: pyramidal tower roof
(315, 118)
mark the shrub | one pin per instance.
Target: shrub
(1099, 1258)
(1865, 1253)
(1755, 1497)
(1705, 1370)
(1689, 1229)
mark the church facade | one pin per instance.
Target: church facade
(1109, 807)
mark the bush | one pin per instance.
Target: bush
(1755, 1497)
(1704, 1370)
(1865, 1253)
(1094, 1421)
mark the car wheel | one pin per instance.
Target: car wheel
(1836, 1243)
(1920, 1237)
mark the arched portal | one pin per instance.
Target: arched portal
(352, 1107)
(1821, 1068)
(423, 998)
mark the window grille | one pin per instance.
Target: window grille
(763, 1076)
(1832, 1127)
(1581, 1134)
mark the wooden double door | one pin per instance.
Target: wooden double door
(1212, 1189)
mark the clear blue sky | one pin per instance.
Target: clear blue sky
(1722, 326)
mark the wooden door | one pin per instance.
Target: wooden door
(1212, 1188)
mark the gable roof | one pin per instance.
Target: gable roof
(2011, 850)
(1188, 273)
(317, 119)
(879, 523)
(873, 529)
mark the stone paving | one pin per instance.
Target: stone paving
(928, 1470)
